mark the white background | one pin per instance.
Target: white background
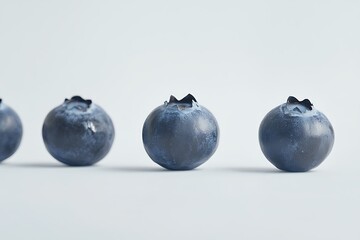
(240, 59)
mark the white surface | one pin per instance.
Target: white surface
(239, 59)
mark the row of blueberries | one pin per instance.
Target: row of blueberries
(178, 135)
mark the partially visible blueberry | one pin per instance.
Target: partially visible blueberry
(180, 135)
(10, 131)
(296, 137)
(78, 132)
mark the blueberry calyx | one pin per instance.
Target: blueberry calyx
(188, 99)
(88, 102)
(0, 100)
(305, 103)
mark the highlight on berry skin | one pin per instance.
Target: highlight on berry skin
(78, 132)
(180, 134)
(296, 137)
(11, 131)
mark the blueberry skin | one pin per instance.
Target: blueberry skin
(78, 132)
(10, 131)
(180, 135)
(295, 137)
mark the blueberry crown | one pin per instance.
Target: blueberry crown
(0, 100)
(188, 99)
(79, 99)
(306, 102)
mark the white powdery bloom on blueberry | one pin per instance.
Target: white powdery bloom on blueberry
(78, 132)
(10, 131)
(295, 137)
(180, 135)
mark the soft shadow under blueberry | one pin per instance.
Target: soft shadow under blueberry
(41, 165)
(141, 169)
(258, 170)
(251, 170)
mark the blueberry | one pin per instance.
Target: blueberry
(180, 135)
(296, 137)
(10, 131)
(78, 132)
